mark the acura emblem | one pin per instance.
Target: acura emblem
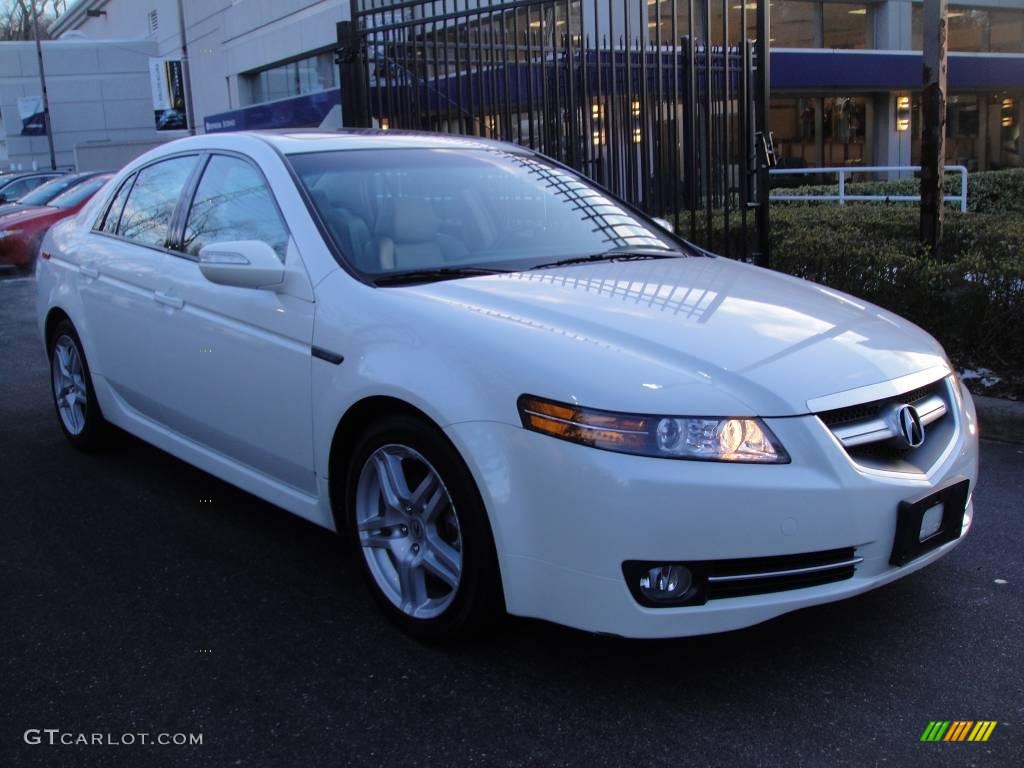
(910, 426)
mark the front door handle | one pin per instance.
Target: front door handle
(168, 300)
(88, 271)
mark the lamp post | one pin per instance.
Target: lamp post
(42, 81)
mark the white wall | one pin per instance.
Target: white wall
(98, 92)
(225, 37)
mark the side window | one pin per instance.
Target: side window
(113, 215)
(232, 202)
(147, 213)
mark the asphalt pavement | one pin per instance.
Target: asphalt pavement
(141, 595)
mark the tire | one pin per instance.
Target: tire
(421, 537)
(74, 397)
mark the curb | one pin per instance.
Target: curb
(1000, 419)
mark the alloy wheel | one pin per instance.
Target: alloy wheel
(409, 531)
(69, 388)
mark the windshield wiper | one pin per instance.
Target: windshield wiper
(435, 274)
(619, 253)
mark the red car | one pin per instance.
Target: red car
(23, 230)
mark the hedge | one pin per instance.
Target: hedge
(972, 300)
(987, 191)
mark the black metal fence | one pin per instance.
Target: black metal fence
(664, 102)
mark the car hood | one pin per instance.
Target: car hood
(670, 333)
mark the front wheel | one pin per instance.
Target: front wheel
(420, 531)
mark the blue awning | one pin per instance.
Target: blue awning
(830, 70)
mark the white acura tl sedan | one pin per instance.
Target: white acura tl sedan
(511, 390)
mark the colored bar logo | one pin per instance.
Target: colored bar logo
(958, 730)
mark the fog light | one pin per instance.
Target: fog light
(666, 583)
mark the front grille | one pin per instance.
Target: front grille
(717, 579)
(866, 411)
(870, 433)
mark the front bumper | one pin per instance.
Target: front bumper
(565, 517)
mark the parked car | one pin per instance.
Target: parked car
(511, 390)
(45, 192)
(15, 185)
(22, 230)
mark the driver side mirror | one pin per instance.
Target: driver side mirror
(241, 263)
(664, 224)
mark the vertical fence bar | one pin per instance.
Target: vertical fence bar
(726, 116)
(763, 257)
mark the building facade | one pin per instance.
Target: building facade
(845, 75)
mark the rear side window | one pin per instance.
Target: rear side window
(232, 202)
(147, 213)
(113, 215)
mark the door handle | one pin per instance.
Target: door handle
(168, 300)
(88, 271)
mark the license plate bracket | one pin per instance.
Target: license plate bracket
(907, 544)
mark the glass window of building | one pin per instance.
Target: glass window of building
(845, 25)
(813, 131)
(296, 78)
(977, 29)
(1006, 31)
(795, 24)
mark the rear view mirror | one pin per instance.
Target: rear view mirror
(241, 263)
(664, 224)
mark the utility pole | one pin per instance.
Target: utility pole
(190, 117)
(933, 135)
(42, 81)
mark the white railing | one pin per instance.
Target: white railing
(843, 172)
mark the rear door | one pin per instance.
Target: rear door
(239, 363)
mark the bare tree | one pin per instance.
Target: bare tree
(17, 17)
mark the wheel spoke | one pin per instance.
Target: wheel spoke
(428, 487)
(412, 584)
(391, 478)
(442, 559)
(62, 361)
(389, 518)
(376, 539)
(434, 504)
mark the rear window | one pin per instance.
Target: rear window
(78, 194)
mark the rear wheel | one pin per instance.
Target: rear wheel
(420, 531)
(78, 410)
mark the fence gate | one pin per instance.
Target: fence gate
(664, 102)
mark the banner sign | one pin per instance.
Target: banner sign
(298, 112)
(167, 82)
(33, 118)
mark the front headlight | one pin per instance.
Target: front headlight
(699, 438)
(5, 232)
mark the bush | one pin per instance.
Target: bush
(972, 300)
(987, 191)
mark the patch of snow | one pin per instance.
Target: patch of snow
(986, 376)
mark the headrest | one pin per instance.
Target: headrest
(413, 221)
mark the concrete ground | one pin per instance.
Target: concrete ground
(131, 606)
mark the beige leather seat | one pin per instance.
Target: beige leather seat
(409, 237)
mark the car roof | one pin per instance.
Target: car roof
(296, 142)
(26, 174)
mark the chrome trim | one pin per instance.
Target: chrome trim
(791, 572)
(585, 426)
(881, 391)
(875, 430)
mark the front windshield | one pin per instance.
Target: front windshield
(78, 194)
(44, 193)
(402, 210)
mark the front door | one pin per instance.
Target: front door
(240, 379)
